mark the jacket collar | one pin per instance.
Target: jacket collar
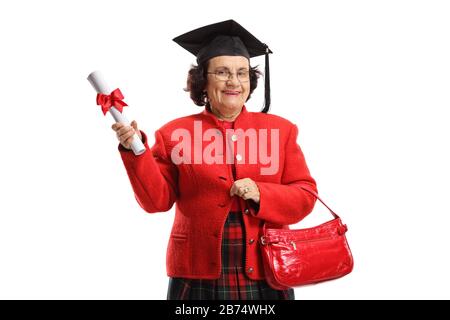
(212, 117)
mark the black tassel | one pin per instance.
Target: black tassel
(266, 107)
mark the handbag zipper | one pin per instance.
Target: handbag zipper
(293, 243)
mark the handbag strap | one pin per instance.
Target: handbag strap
(265, 240)
(318, 198)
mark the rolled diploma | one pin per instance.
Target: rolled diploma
(98, 82)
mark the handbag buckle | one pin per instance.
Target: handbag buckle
(263, 240)
(269, 240)
(294, 245)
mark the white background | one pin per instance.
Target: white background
(367, 82)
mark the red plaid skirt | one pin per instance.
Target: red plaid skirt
(233, 283)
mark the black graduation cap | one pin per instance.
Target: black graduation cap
(226, 38)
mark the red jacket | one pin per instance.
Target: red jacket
(201, 193)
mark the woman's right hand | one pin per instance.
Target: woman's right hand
(125, 133)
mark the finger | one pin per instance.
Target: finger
(235, 189)
(237, 186)
(123, 130)
(242, 191)
(246, 182)
(124, 137)
(135, 127)
(250, 195)
(127, 134)
(129, 141)
(116, 126)
(133, 130)
(247, 195)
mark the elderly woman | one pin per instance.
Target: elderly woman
(227, 170)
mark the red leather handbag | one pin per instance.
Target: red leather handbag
(304, 256)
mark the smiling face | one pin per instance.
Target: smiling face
(227, 97)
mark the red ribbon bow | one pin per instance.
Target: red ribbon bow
(112, 100)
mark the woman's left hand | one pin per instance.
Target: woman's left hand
(246, 189)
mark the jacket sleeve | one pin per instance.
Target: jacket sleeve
(153, 177)
(287, 203)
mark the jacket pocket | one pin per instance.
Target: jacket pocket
(179, 236)
(178, 255)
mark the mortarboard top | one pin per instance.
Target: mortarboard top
(226, 38)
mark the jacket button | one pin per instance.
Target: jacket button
(251, 241)
(246, 211)
(250, 270)
(234, 137)
(238, 157)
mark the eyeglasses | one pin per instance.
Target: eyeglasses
(225, 75)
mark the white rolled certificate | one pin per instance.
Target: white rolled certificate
(98, 82)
